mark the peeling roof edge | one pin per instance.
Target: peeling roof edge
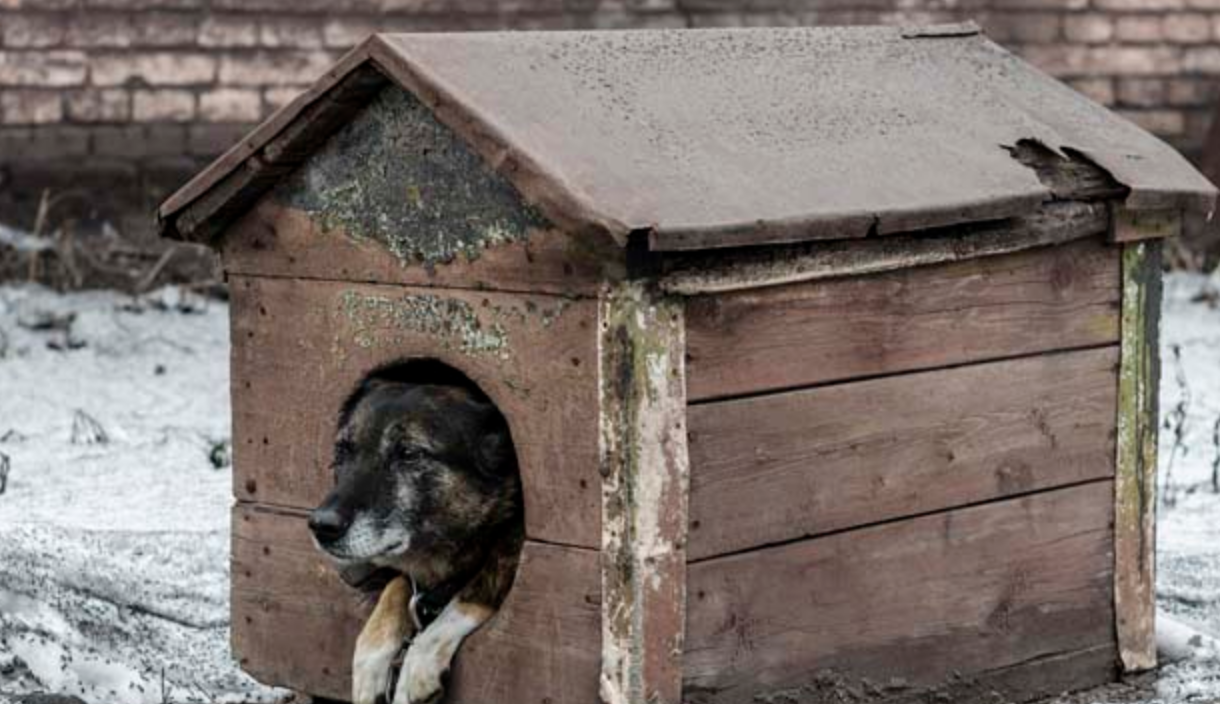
(845, 226)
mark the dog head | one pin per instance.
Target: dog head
(421, 470)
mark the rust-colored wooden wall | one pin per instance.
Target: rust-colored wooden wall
(905, 480)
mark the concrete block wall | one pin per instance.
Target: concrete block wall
(113, 103)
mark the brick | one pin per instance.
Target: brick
(162, 105)
(1039, 28)
(1203, 4)
(139, 141)
(344, 32)
(276, 98)
(290, 33)
(1191, 92)
(228, 31)
(1040, 4)
(45, 69)
(44, 5)
(211, 140)
(98, 105)
(1139, 5)
(230, 105)
(154, 68)
(1187, 27)
(149, 29)
(146, 4)
(1099, 90)
(31, 107)
(1133, 60)
(1141, 92)
(32, 31)
(42, 144)
(1163, 123)
(1139, 28)
(1057, 59)
(1088, 28)
(1202, 60)
(279, 68)
(297, 6)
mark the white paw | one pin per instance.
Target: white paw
(371, 670)
(420, 681)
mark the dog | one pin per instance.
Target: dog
(427, 495)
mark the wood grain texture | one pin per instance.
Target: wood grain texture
(300, 347)
(834, 457)
(295, 623)
(719, 271)
(1135, 483)
(645, 485)
(276, 240)
(792, 336)
(920, 601)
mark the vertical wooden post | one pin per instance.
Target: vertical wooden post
(1135, 478)
(645, 484)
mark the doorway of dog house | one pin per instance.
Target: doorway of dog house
(427, 511)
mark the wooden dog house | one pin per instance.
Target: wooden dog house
(830, 355)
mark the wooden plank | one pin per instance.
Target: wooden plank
(300, 347)
(921, 601)
(791, 336)
(835, 457)
(645, 484)
(276, 240)
(295, 623)
(1135, 225)
(738, 270)
(1135, 483)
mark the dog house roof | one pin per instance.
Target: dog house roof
(710, 138)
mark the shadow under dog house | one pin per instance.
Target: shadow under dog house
(830, 355)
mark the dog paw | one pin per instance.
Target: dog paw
(371, 671)
(421, 680)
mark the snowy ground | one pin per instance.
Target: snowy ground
(113, 525)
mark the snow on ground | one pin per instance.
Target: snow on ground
(114, 522)
(114, 554)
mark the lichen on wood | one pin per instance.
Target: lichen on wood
(1136, 447)
(645, 487)
(396, 176)
(381, 320)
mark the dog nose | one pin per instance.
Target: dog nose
(328, 524)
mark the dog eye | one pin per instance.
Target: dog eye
(407, 453)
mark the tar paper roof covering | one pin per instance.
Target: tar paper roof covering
(707, 138)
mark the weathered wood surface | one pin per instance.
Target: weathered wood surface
(295, 623)
(1135, 483)
(1136, 225)
(300, 347)
(784, 466)
(273, 239)
(719, 271)
(918, 602)
(791, 336)
(645, 485)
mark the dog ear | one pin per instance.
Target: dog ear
(494, 449)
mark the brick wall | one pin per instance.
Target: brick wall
(111, 104)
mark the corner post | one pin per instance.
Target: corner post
(1136, 465)
(645, 485)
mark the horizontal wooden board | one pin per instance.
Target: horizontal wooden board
(276, 240)
(791, 336)
(833, 457)
(295, 623)
(301, 347)
(918, 602)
